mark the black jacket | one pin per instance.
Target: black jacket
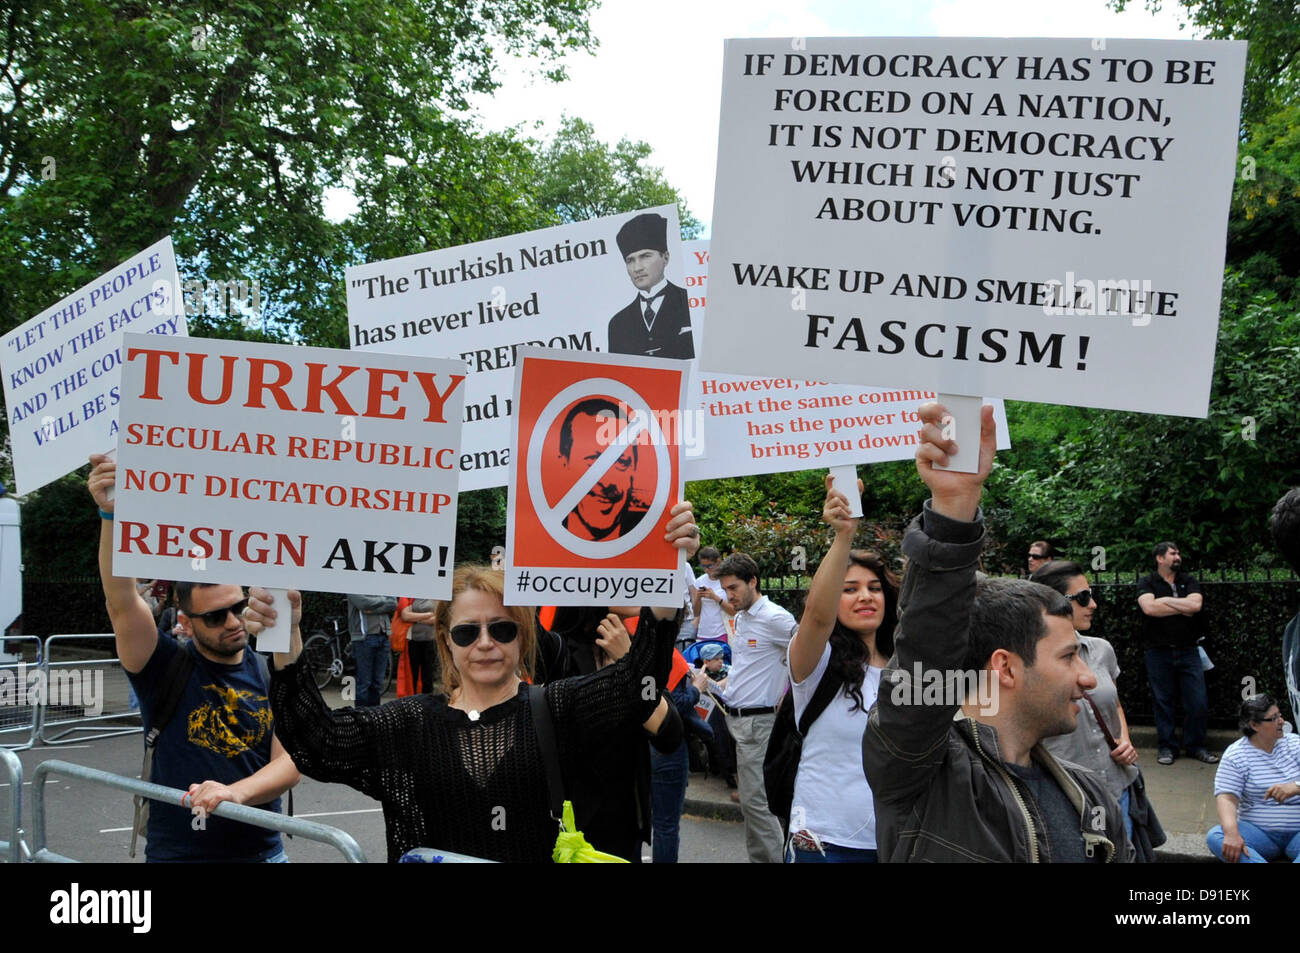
(942, 791)
(671, 331)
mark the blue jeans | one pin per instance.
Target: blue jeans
(1261, 845)
(371, 654)
(668, 775)
(834, 855)
(1124, 800)
(1170, 672)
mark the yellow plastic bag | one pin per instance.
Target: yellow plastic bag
(572, 848)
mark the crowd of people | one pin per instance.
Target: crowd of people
(942, 716)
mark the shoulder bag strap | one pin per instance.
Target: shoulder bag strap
(545, 729)
(174, 681)
(826, 691)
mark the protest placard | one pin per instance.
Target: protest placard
(62, 368)
(574, 287)
(1036, 219)
(749, 425)
(261, 464)
(596, 474)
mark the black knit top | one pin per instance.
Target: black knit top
(472, 787)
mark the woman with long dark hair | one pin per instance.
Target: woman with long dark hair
(845, 638)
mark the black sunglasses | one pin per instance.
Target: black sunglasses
(1083, 597)
(218, 616)
(1037, 556)
(466, 634)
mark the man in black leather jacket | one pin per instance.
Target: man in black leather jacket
(981, 788)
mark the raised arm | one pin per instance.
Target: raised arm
(822, 605)
(904, 743)
(590, 709)
(134, 629)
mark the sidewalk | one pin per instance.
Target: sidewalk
(1182, 794)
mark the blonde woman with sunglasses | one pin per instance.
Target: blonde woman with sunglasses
(463, 771)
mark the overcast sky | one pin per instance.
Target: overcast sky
(657, 75)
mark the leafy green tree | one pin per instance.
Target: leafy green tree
(224, 124)
(580, 177)
(1124, 481)
(1271, 27)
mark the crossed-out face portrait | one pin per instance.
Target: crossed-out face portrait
(609, 509)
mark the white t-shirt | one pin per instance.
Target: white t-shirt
(758, 670)
(712, 623)
(831, 796)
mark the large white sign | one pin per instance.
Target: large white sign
(1037, 219)
(575, 287)
(749, 425)
(261, 464)
(63, 367)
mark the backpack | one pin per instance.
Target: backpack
(785, 746)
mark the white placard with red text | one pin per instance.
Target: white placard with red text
(310, 468)
(62, 368)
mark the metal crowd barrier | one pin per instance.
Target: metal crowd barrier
(85, 698)
(13, 847)
(296, 826)
(19, 710)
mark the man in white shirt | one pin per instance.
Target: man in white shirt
(750, 693)
(708, 599)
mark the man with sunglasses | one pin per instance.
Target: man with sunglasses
(218, 743)
(1040, 554)
(1170, 600)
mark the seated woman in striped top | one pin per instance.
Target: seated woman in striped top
(1257, 790)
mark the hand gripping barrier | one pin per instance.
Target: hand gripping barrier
(298, 827)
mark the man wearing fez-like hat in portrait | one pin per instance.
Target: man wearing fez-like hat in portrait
(658, 322)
